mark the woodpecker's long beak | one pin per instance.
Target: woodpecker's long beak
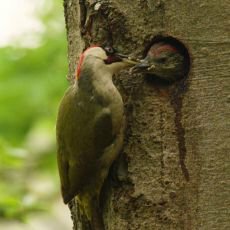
(128, 59)
(142, 66)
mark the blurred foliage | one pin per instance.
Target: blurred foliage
(32, 83)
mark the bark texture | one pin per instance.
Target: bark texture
(174, 169)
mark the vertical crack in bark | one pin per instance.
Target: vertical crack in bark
(98, 23)
(83, 15)
(162, 146)
(176, 102)
(162, 8)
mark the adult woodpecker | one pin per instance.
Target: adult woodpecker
(90, 128)
(164, 61)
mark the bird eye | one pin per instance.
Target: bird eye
(162, 59)
(109, 50)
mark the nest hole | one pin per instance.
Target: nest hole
(180, 47)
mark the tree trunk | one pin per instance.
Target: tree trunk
(173, 172)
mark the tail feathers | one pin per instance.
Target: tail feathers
(88, 210)
(89, 207)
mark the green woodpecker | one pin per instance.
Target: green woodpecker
(90, 128)
(164, 61)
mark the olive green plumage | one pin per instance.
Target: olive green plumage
(84, 131)
(89, 130)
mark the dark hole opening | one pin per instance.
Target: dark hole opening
(181, 49)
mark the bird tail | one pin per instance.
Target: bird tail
(90, 209)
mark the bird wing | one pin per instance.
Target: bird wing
(103, 136)
(83, 133)
(63, 127)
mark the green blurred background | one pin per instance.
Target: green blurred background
(33, 69)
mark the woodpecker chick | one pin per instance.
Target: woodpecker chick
(164, 61)
(90, 126)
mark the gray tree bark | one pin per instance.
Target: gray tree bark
(174, 170)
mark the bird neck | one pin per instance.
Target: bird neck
(97, 84)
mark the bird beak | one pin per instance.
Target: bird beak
(128, 59)
(142, 66)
